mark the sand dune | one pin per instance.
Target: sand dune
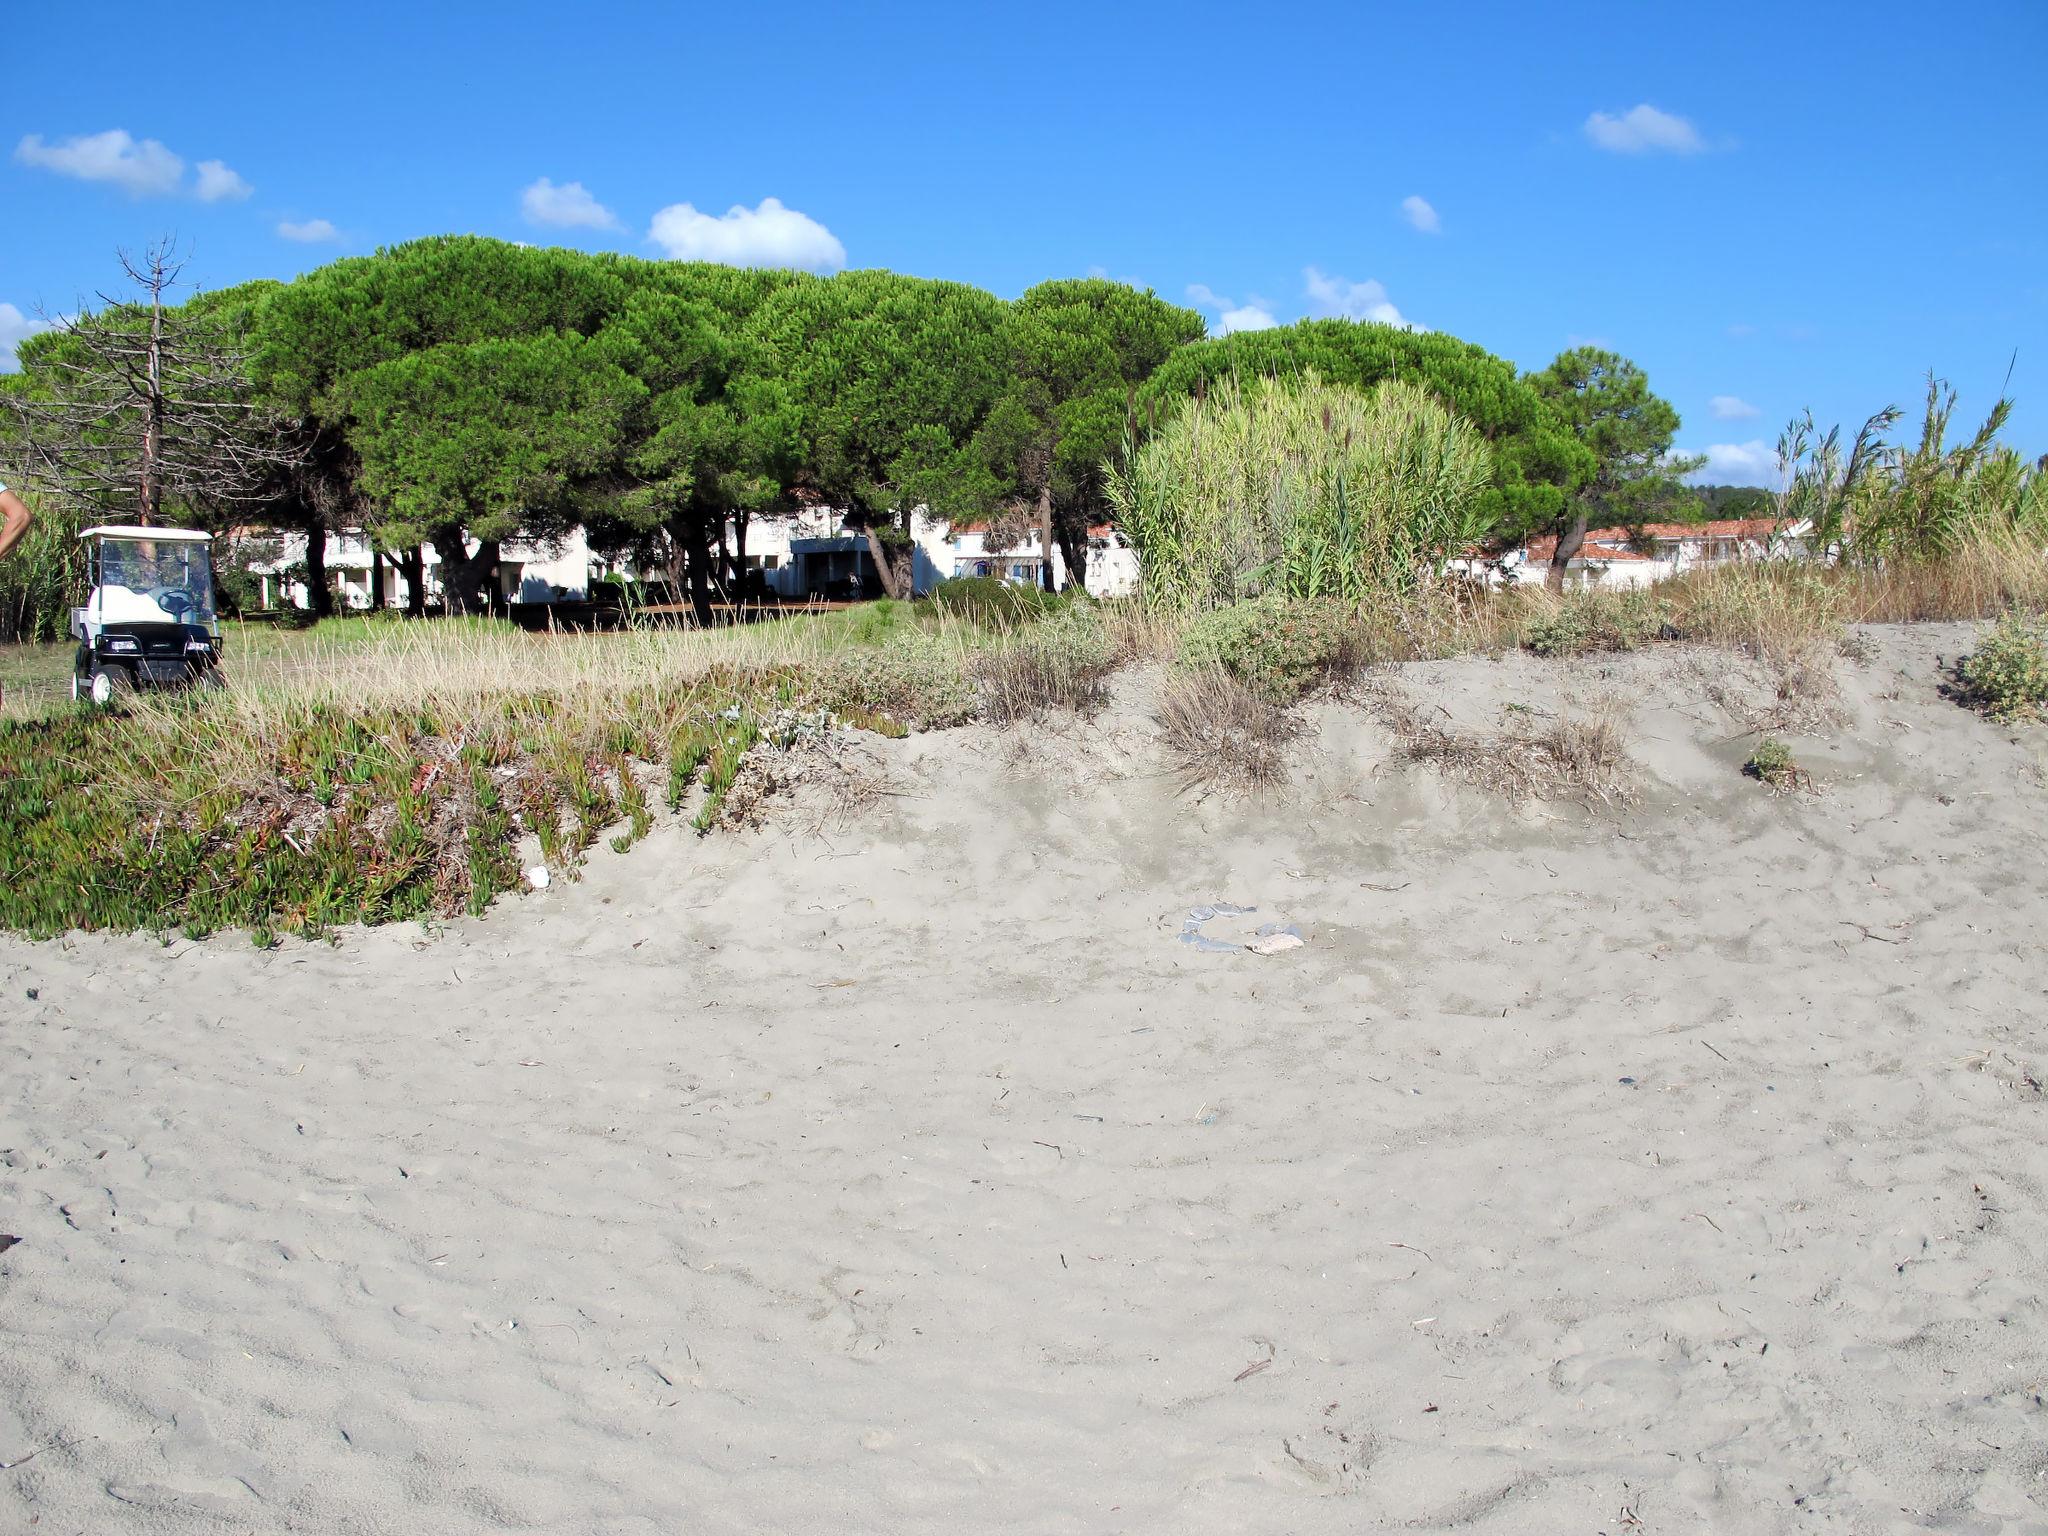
(1681, 1168)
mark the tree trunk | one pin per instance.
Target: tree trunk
(895, 563)
(739, 557)
(1569, 543)
(466, 578)
(688, 535)
(1045, 577)
(153, 421)
(376, 579)
(412, 569)
(1073, 537)
(700, 570)
(319, 596)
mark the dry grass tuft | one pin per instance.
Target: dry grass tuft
(819, 780)
(1576, 757)
(1061, 663)
(1221, 735)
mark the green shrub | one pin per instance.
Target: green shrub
(1592, 620)
(1773, 763)
(1303, 488)
(914, 677)
(992, 602)
(875, 622)
(1281, 649)
(2007, 675)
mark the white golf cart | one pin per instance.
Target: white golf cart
(148, 621)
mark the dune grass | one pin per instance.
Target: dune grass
(371, 769)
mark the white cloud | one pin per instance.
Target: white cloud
(218, 184)
(15, 328)
(1245, 317)
(1254, 314)
(1643, 130)
(1417, 211)
(569, 206)
(1732, 408)
(768, 236)
(311, 232)
(1354, 301)
(140, 168)
(1752, 463)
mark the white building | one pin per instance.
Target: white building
(808, 554)
(528, 571)
(961, 549)
(1613, 557)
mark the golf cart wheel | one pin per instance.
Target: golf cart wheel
(108, 684)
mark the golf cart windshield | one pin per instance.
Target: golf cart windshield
(154, 581)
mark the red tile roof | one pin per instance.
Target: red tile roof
(1616, 543)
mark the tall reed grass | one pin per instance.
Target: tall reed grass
(1306, 491)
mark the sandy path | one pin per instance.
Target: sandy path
(1568, 1179)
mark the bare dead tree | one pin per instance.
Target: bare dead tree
(141, 404)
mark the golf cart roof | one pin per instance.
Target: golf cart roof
(122, 531)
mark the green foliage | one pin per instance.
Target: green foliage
(1887, 502)
(1772, 762)
(1278, 647)
(353, 830)
(1310, 490)
(884, 380)
(1734, 501)
(1074, 352)
(872, 623)
(44, 575)
(489, 436)
(186, 814)
(2007, 675)
(1605, 402)
(1537, 461)
(914, 677)
(1594, 619)
(992, 602)
(737, 735)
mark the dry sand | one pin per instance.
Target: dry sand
(1676, 1170)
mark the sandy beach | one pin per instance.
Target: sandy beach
(1672, 1167)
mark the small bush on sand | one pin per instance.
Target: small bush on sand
(914, 677)
(2007, 675)
(1061, 663)
(1221, 734)
(1592, 620)
(993, 603)
(1278, 648)
(1772, 763)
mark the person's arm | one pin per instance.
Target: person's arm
(14, 521)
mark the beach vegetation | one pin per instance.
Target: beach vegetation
(1301, 490)
(2007, 674)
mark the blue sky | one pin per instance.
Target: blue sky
(1768, 207)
